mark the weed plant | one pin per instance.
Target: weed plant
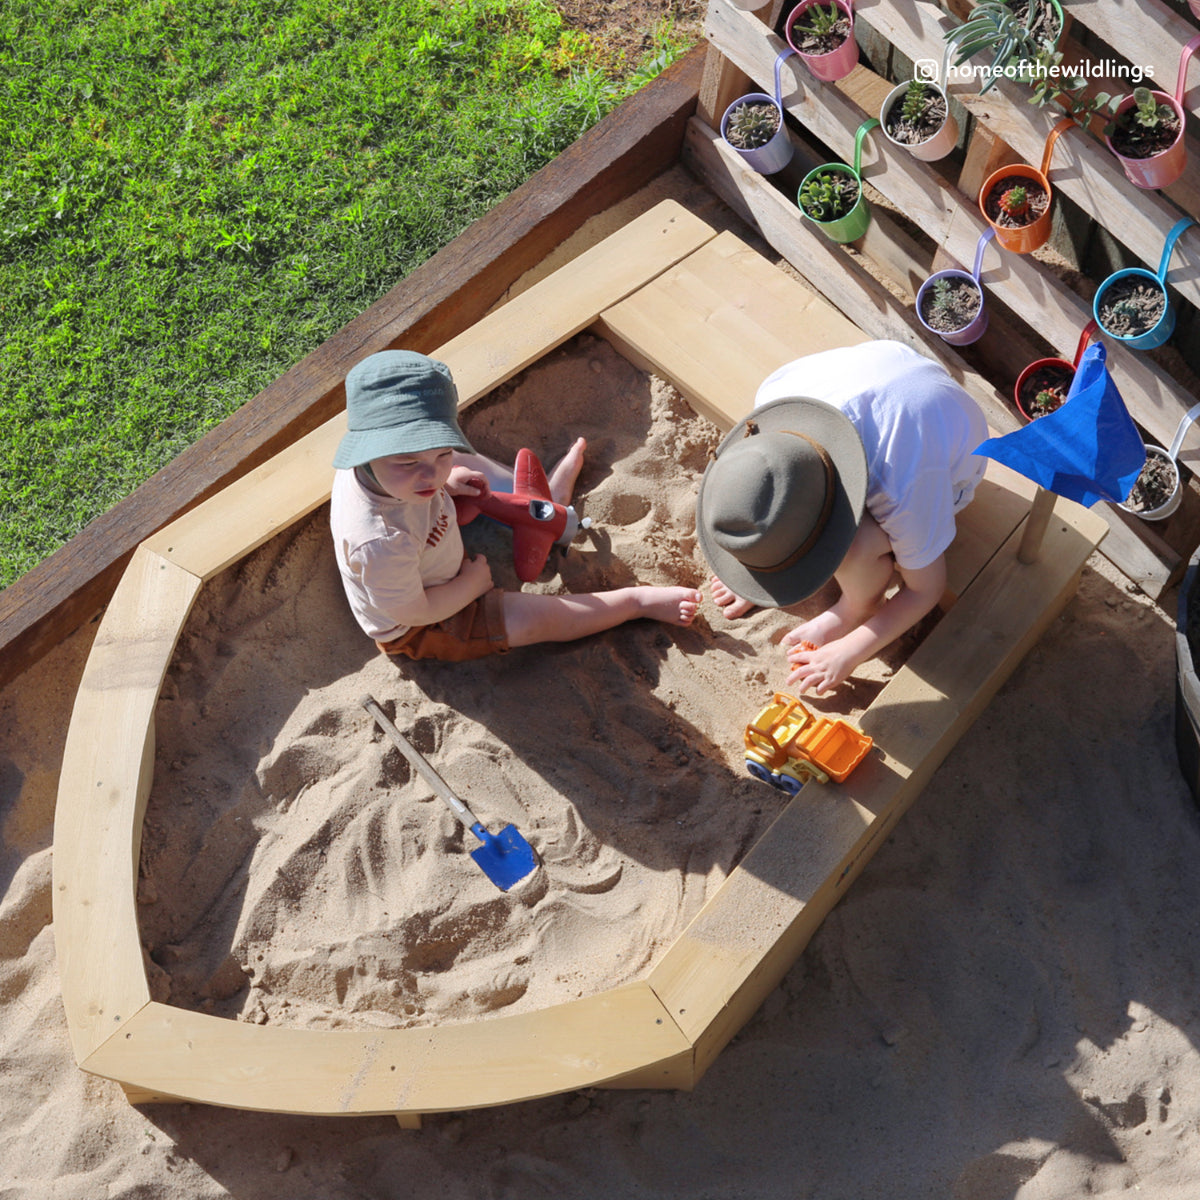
(194, 194)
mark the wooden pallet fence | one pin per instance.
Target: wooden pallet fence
(1005, 128)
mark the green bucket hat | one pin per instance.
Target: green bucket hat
(781, 501)
(398, 402)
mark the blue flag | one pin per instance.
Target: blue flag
(1088, 449)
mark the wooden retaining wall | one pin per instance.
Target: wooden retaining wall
(925, 216)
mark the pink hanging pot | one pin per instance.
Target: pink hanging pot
(834, 64)
(1162, 169)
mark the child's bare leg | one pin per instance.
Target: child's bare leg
(564, 473)
(499, 477)
(729, 601)
(561, 478)
(863, 576)
(531, 617)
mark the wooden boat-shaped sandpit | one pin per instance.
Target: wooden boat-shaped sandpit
(713, 317)
(709, 314)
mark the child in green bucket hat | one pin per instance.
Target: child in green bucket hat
(409, 582)
(852, 467)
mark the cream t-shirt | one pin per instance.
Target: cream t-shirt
(919, 429)
(389, 551)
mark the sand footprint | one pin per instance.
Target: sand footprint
(624, 508)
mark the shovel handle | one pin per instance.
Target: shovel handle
(440, 787)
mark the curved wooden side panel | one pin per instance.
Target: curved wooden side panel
(172, 1053)
(108, 766)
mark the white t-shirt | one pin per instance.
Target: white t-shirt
(919, 429)
(389, 551)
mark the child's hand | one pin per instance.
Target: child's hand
(463, 481)
(818, 669)
(477, 571)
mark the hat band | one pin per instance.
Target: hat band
(822, 518)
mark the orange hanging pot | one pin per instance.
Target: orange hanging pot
(1012, 231)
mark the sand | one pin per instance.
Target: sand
(1005, 1004)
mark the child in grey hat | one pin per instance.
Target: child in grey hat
(852, 466)
(410, 584)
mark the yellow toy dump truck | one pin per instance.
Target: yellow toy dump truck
(786, 746)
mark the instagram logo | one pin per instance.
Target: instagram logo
(926, 70)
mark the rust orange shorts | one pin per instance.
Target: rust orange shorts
(473, 632)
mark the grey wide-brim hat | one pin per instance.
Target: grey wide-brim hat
(781, 501)
(398, 402)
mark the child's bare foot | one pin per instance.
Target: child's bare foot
(824, 628)
(566, 471)
(675, 605)
(732, 604)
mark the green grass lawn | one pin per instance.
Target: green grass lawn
(194, 194)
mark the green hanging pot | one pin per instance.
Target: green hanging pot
(849, 226)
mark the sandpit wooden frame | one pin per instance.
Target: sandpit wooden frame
(713, 317)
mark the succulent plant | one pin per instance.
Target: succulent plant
(915, 99)
(1015, 201)
(825, 198)
(819, 21)
(1146, 111)
(943, 297)
(752, 124)
(994, 25)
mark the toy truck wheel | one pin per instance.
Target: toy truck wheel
(787, 783)
(758, 771)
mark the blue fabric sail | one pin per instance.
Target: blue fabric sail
(1088, 449)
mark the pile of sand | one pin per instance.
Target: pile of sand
(294, 871)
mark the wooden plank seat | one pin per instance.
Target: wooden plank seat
(674, 296)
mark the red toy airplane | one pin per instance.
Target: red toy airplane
(537, 521)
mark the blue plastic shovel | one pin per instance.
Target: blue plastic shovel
(505, 857)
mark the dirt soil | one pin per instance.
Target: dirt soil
(820, 43)
(1155, 485)
(1135, 141)
(1131, 307)
(912, 132)
(626, 27)
(959, 308)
